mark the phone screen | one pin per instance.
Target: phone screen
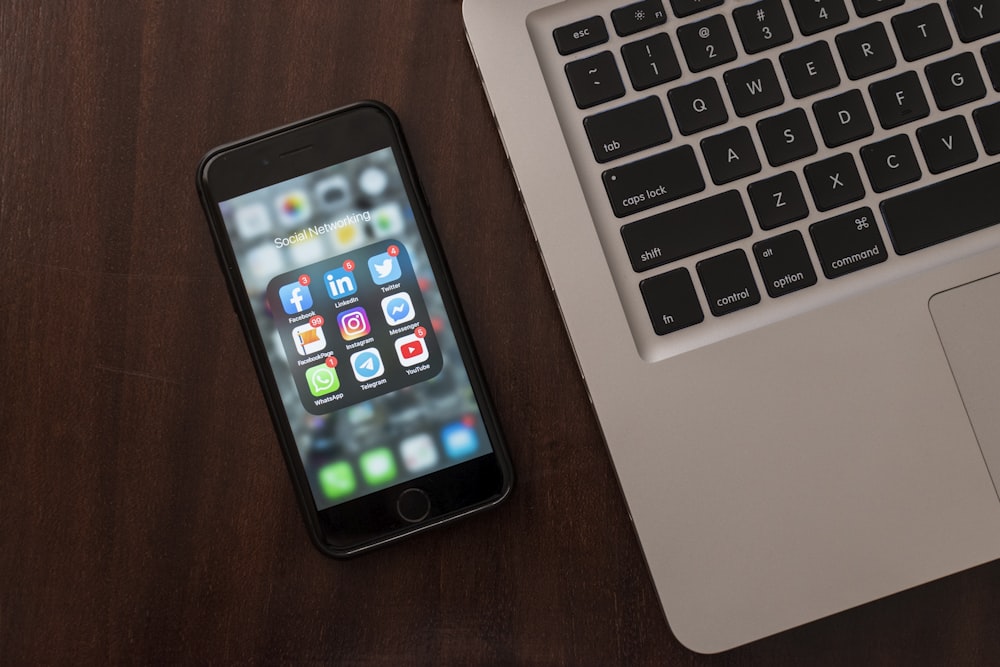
(355, 330)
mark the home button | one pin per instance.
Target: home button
(413, 505)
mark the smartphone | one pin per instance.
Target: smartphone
(353, 325)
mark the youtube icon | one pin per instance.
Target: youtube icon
(411, 350)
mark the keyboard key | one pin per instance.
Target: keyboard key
(947, 144)
(847, 243)
(922, 32)
(975, 19)
(627, 129)
(595, 80)
(778, 200)
(869, 7)
(809, 69)
(753, 88)
(843, 119)
(834, 181)
(944, 210)
(988, 122)
(786, 137)
(890, 163)
(818, 15)
(728, 282)
(991, 57)
(865, 51)
(697, 106)
(687, 7)
(955, 81)
(580, 35)
(653, 181)
(685, 231)
(730, 155)
(671, 301)
(762, 25)
(638, 16)
(706, 43)
(899, 100)
(784, 264)
(651, 61)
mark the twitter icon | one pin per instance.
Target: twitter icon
(384, 268)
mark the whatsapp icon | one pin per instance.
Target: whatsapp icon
(322, 380)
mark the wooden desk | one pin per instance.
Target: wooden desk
(145, 513)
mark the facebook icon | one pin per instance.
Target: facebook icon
(295, 298)
(340, 283)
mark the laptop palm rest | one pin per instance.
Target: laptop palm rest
(968, 322)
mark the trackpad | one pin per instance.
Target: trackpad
(968, 321)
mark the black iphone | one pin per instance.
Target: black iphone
(360, 346)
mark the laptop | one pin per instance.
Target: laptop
(772, 230)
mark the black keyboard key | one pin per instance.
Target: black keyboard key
(843, 119)
(847, 243)
(834, 181)
(784, 264)
(651, 61)
(786, 137)
(991, 57)
(944, 210)
(671, 301)
(706, 43)
(580, 35)
(987, 121)
(975, 19)
(753, 88)
(653, 180)
(922, 32)
(955, 81)
(730, 155)
(687, 7)
(890, 163)
(728, 282)
(778, 200)
(899, 100)
(947, 144)
(809, 69)
(627, 129)
(685, 231)
(595, 80)
(870, 7)
(865, 51)
(697, 106)
(638, 16)
(762, 25)
(818, 15)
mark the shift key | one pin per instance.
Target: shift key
(652, 181)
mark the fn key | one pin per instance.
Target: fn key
(671, 301)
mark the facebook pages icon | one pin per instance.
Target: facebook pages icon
(295, 298)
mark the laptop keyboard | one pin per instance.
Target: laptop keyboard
(780, 144)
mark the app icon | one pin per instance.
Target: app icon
(373, 181)
(353, 323)
(378, 466)
(384, 268)
(398, 308)
(252, 220)
(333, 193)
(418, 452)
(293, 208)
(295, 298)
(308, 339)
(411, 350)
(322, 380)
(460, 440)
(340, 283)
(367, 364)
(387, 220)
(337, 480)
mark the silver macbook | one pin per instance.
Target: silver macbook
(771, 227)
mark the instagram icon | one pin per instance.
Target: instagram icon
(353, 323)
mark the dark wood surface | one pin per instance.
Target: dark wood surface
(145, 512)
